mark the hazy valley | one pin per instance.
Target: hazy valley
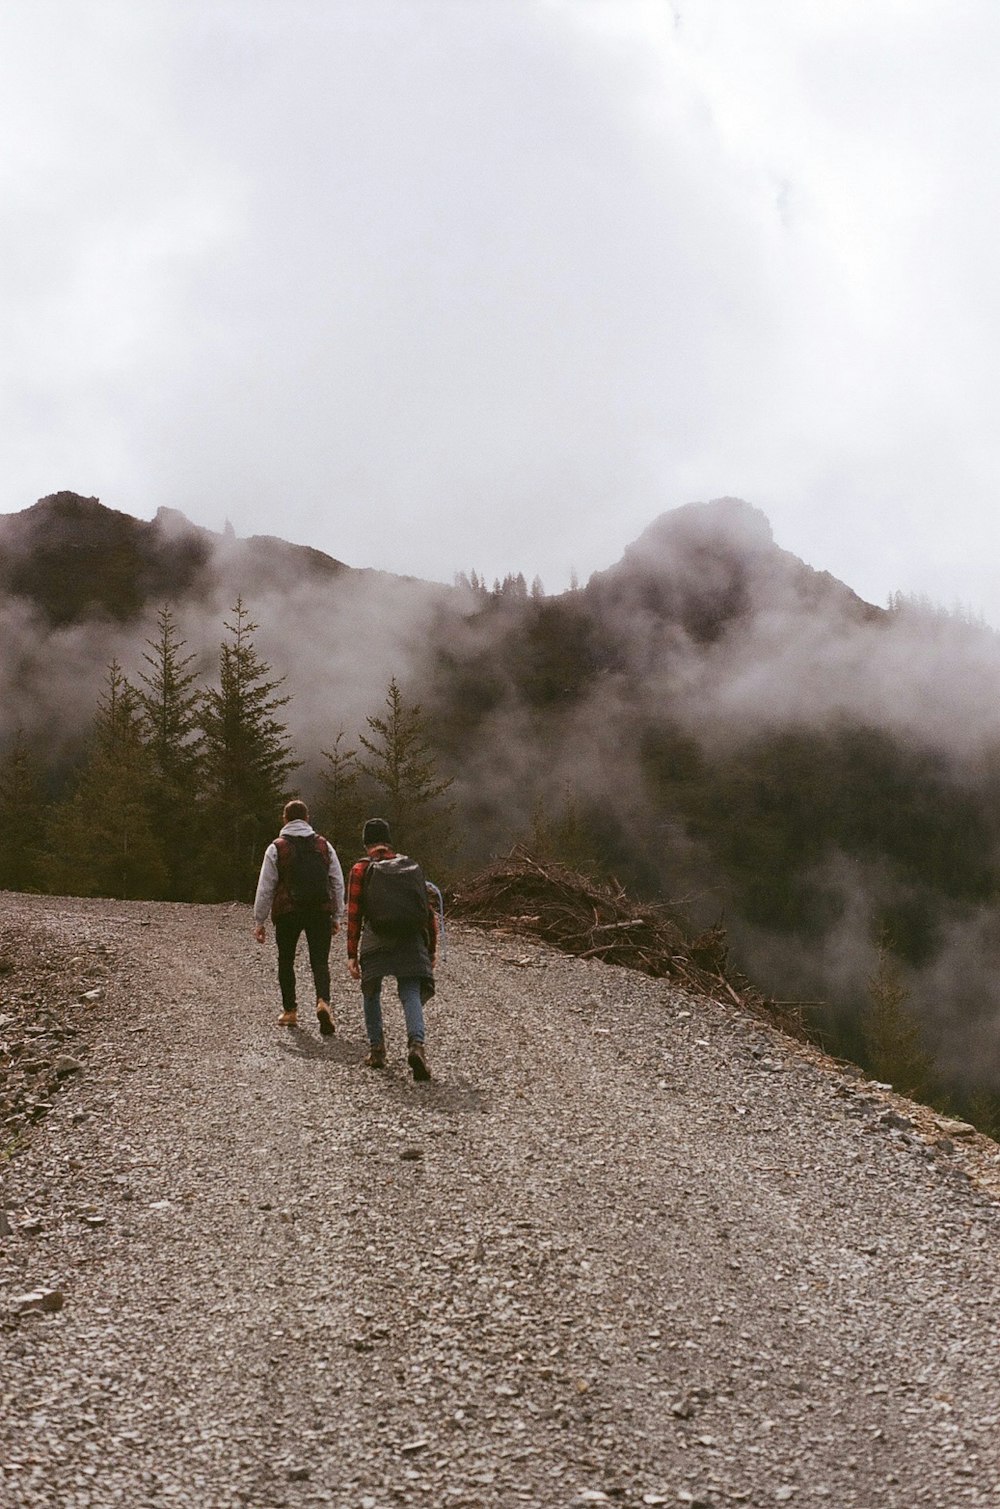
(708, 719)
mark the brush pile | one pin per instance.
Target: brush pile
(599, 920)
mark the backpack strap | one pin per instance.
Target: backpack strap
(281, 901)
(440, 911)
(283, 846)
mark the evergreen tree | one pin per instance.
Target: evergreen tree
(983, 1106)
(103, 841)
(171, 708)
(892, 1036)
(341, 808)
(404, 780)
(511, 586)
(247, 760)
(21, 819)
(562, 834)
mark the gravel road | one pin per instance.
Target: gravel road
(629, 1246)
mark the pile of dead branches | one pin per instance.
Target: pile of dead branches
(599, 920)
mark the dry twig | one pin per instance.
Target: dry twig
(599, 920)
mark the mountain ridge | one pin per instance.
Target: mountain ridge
(73, 555)
(706, 564)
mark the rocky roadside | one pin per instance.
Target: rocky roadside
(629, 1246)
(48, 984)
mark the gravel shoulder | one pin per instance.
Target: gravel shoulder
(628, 1246)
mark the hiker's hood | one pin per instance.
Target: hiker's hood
(297, 828)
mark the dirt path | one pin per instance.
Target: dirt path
(628, 1247)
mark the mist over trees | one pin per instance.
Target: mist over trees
(709, 720)
(181, 784)
(103, 840)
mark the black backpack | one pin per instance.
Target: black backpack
(394, 896)
(303, 867)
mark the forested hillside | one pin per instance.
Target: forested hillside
(709, 720)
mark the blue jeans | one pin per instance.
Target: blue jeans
(413, 1011)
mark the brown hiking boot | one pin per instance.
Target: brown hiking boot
(288, 1019)
(376, 1057)
(417, 1060)
(325, 1018)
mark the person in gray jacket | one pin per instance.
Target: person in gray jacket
(301, 888)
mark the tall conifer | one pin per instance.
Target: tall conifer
(892, 1034)
(341, 805)
(170, 705)
(247, 760)
(21, 819)
(103, 840)
(403, 774)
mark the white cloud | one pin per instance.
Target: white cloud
(436, 285)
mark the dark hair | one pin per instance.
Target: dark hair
(295, 809)
(375, 831)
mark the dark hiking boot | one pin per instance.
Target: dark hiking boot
(417, 1060)
(325, 1018)
(288, 1019)
(376, 1057)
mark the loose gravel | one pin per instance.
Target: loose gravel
(628, 1246)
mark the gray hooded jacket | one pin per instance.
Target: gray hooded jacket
(268, 881)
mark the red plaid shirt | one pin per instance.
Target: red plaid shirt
(355, 917)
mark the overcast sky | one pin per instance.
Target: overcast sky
(443, 284)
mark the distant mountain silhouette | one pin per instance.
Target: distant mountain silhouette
(699, 567)
(706, 564)
(75, 559)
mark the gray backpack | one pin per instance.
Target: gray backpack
(394, 897)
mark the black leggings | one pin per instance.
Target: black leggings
(318, 928)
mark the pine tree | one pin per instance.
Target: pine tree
(341, 809)
(892, 1036)
(21, 819)
(247, 760)
(171, 707)
(403, 775)
(562, 834)
(103, 840)
(983, 1108)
